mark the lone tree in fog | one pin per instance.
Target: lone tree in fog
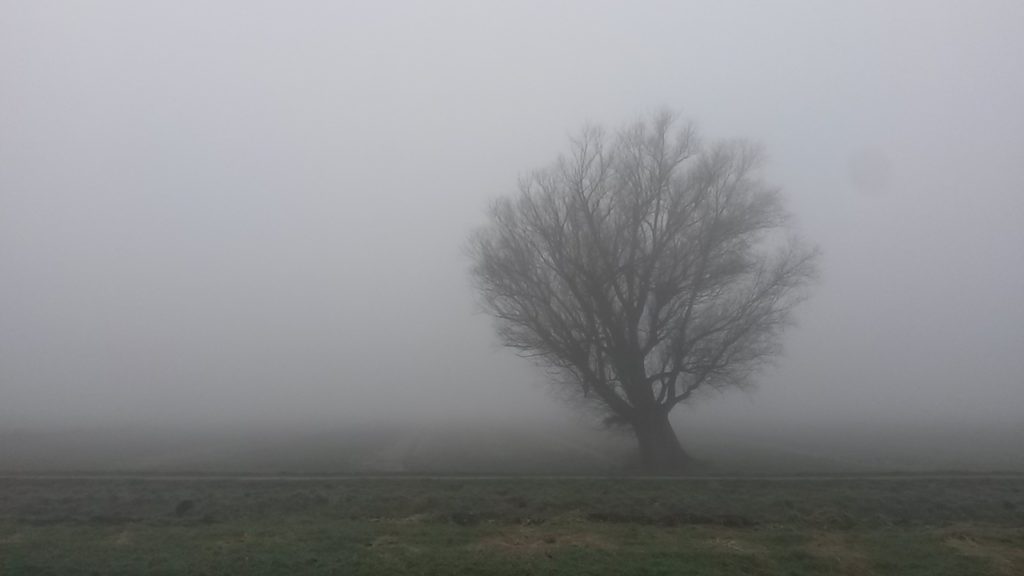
(643, 268)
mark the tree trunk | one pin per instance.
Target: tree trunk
(660, 450)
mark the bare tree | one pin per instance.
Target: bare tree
(643, 268)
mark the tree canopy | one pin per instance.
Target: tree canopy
(644, 267)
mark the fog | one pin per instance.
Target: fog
(255, 213)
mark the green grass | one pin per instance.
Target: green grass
(409, 526)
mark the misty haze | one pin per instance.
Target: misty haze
(376, 244)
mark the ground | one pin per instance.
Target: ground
(394, 525)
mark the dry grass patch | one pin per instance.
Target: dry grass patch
(845, 556)
(124, 538)
(530, 541)
(1002, 549)
(732, 542)
(412, 519)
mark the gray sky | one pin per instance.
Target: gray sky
(255, 211)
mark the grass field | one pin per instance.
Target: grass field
(512, 526)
